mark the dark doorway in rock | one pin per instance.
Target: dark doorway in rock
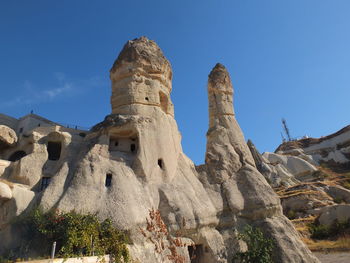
(196, 253)
(108, 181)
(45, 181)
(160, 163)
(54, 150)
(17, 156)
(133, 147)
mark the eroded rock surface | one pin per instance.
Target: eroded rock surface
(133, 162)
(8, 136)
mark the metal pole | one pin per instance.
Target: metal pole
(92, 246)
(53, 250)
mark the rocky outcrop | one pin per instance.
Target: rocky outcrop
(276, 173)
(296, 166)
(335, 213)
(333, 149)
(5, 192)
(8, 136)
(133, 162)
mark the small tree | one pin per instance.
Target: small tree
(259, 247)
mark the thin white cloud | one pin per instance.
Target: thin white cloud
(33, 94)
(60, 76)
(53, 93)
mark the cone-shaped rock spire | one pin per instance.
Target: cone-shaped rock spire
(141, 76)
(226, 147)
(220, 94)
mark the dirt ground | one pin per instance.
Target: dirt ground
(341, 257)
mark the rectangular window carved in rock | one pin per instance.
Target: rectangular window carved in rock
(160, 163)
(108, 181)
(54, 150)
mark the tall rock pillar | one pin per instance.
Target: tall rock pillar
(227, 150)
(141, 85)
(141, 79)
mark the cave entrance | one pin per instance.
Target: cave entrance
(17, 156)
(196, 253)
(54, 150)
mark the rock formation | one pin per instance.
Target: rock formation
(8, 136)
(333, 149)
(317, 188)
(133, 161)
(276, 173)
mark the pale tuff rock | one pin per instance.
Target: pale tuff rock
(276, 174)
(8, 136)
(333, 149)
(297, 166)
(335, 213)
(3, 165)
(141, 76)
(231, 170)
(133, 162)
(226, 147)
(317, 190)
(5, 192)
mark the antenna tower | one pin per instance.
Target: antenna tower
(286, 130)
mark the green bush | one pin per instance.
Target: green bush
(75, 235)
(346, 184)
(338, 200)
(259, 247)
(319, 231)
(291, 214)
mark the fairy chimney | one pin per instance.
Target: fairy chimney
(141, 79)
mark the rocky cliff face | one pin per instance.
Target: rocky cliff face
(133, 162)
(333, 149)
(312, 178)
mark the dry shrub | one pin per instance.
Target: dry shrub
(165, 245)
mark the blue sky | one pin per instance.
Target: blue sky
(286, 58)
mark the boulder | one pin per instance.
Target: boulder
(8, 136)
(295, 165)
(5, 191)
(277, 174)
(338, 192)
(330, 214)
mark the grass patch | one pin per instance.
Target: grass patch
(319, 231)
(346, 185)
(341, 244)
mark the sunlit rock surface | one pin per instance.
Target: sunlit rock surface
(133, 161)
